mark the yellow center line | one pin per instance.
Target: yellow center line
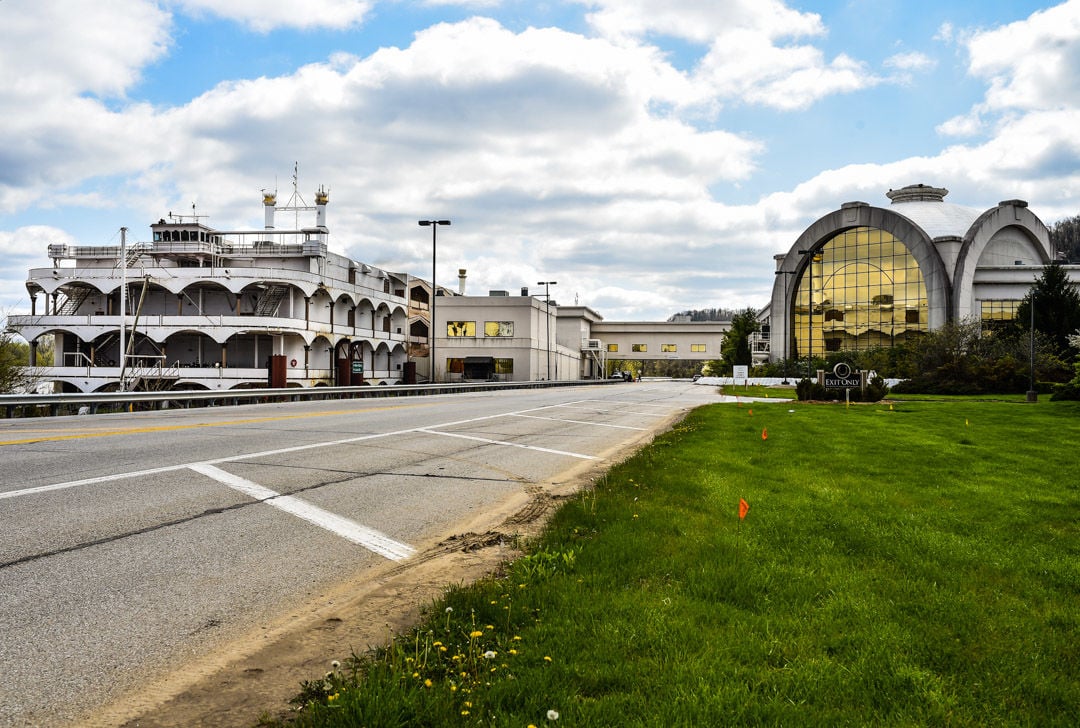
(168, 428)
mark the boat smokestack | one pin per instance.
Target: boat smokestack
(269, 205)
(322, 197)
(461, 281)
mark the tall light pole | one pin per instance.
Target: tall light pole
(434, 224)
(1032, 395)
(547, 304)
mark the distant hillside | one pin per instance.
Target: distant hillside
(705, 314)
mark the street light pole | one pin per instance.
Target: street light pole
(434, 224)
(1032, 395)
(547, 308)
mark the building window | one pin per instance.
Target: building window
(504, 366)
(639, 347)
(996, 314)
(866, 290)
(455, 366)
(461, 328)
(668, 348)
(498, 328)
(612, 347)
(697, 348)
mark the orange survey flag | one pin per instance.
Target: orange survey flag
(751, 413)
(764, 433)
(743, 508)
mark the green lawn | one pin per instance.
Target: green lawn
(907, 564)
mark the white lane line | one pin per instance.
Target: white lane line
(609, 411)
(579, 422)
(261, 454)
(369, 538)
(512, 444)
(88, 481)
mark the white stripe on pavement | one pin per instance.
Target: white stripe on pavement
(362, 535)
(579, 422)
(511, 444)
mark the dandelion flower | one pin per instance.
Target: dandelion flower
(547, 658)
(553, 715)
(476, 633)
(464, 712)
(513, 652)
(427, 683)
(489, 655)
(491, 626)
(517, 638)
(335, 664)
(449, 609)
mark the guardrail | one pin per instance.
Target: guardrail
(38, 405)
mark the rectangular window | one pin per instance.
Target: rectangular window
(998, 310)
(639, 347)
(504, 366)
(461, 328)
(668, 348)
(498, 328)
(997, 314)
(697, 348)
(612, 347)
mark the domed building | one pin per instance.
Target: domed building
(865, 276)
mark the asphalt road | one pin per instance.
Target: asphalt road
(132, 542)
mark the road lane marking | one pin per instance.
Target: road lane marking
(580, 422)
(88, 481)
(369, 538)
(510, 444)
(610, 411)
(278, 451)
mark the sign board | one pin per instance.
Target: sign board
(358, 367)
(741, 371)
(842, 377)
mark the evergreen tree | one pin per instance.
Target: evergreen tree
(1057, 308)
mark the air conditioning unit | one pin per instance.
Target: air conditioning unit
(593, 344)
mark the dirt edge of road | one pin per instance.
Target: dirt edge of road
(257, 674)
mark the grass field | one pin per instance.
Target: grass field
(907, 564)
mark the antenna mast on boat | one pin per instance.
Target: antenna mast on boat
(296, 203)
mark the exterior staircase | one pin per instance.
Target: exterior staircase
(270, 300)
(75, 299)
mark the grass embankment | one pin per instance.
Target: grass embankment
(918, 565)
(758, 390)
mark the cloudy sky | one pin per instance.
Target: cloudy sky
(649, 155)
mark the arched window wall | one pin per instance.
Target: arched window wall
(862, 289)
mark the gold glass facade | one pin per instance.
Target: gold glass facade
(863, 289)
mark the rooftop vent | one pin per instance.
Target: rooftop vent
(917, 193)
